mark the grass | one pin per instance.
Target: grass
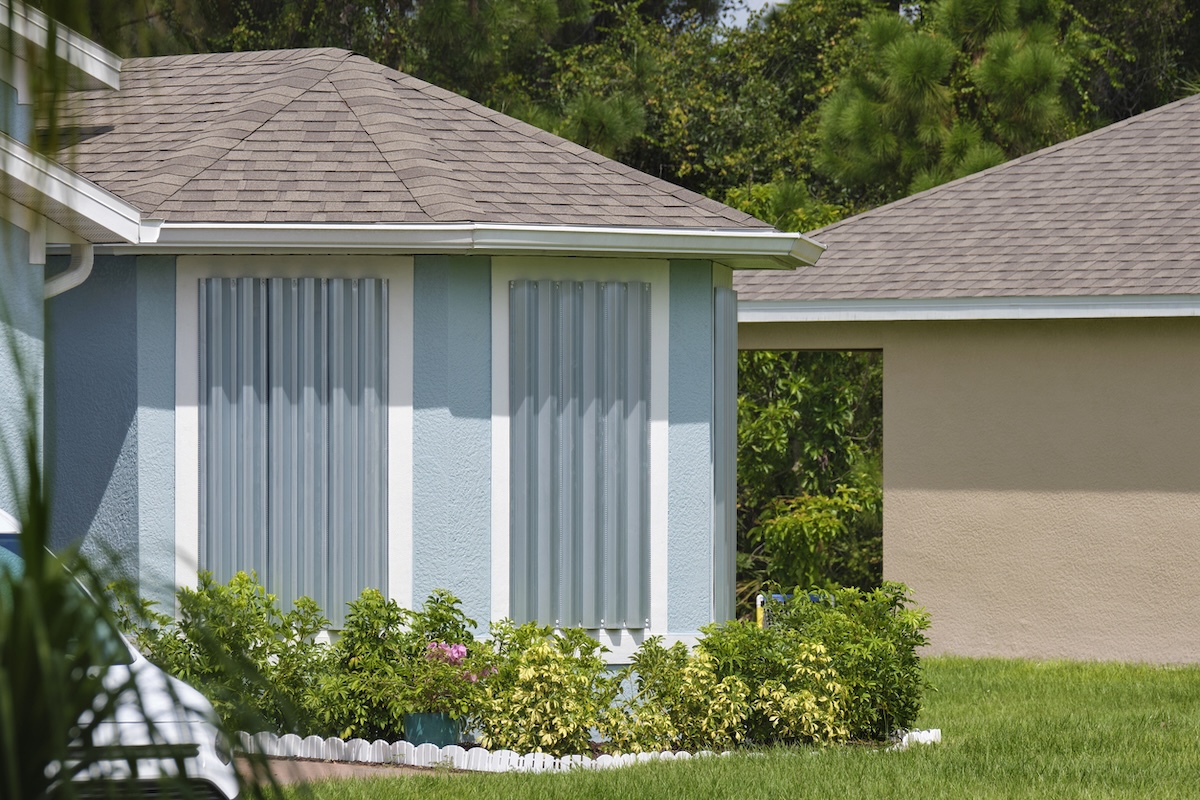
(1009, 728)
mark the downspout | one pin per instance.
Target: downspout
(82, 256)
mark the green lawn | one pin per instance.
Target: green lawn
(1009, 728)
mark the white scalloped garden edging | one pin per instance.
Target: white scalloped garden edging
(477, 759)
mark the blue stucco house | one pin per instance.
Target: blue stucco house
(314, 317)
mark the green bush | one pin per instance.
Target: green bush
(796, 695)
(831, 666)
(680, 703)
(871, 638)
(360, 695)
(388, 664)
(258, 665)
(548, 693)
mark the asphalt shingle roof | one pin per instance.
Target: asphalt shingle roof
(326, 136)
(1113, 212)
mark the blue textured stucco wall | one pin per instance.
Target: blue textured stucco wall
(91, 386)
(111, 416)
(156, 426)
(452, 410)
(690, 496)
(22, 334)
(16, 120)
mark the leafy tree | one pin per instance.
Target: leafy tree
(809, 483)
(470, 46)
(966, 86)
(705, 106)
(1146, 53)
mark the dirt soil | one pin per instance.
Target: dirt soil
(303, 770)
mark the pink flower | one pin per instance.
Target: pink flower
(452, 654)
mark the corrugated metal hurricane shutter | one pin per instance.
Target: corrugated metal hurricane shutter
(293, 426)
(724, 452)
(580, 399)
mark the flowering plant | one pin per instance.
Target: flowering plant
(445, 678)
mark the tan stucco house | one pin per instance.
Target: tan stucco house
(1038, 323)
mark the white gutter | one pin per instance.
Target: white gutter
(103, 67)
(1111, 307)
(741, 249)
(82, 256)
(33, 174)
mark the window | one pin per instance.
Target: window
(579, 382)
(293, 433)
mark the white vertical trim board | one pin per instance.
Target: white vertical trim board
(400, 436)
(501, 443)
(660, 370)
(398, 271)
(658, 274)
(187, 421)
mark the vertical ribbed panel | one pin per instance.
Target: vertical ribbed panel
(293, 427)
(724, 452)
(580, 389)
(233, 426)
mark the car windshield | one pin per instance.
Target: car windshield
(113, 649)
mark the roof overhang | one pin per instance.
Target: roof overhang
(739, 249)
(50, 190)
(968, 308)
(95, 67)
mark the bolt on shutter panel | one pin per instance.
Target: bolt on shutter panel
(233, 400)
(579, 389)
(358, 432)
(587, 457)
(298, 536)
(724, 453)
(320, 359)
(522, 343)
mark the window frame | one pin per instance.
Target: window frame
(398, 271)
(656, 272)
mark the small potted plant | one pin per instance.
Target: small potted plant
(441, 686)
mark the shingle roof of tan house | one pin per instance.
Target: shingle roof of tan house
(326, 136)
(1115, 212)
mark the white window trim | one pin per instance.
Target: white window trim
(398, 271)
(658, 274)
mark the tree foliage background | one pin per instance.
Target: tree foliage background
(813, 111)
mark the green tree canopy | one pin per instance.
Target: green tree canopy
(968, 84)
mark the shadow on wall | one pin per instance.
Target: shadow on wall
(91, 405)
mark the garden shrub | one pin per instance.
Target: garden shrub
(258, 665)
(796, 694)
(360, 696)
(391, 661)
(830, 666)
(680, 703)
(548, 692)
(871, 639)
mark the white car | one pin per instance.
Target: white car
(163, 723)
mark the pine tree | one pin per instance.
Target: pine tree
(967, 85)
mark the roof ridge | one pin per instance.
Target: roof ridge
(421, 195)
(1012, 163)
(208, 163)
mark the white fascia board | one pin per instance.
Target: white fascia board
(103, 67)
(54, 183)
(1115, 306)
(739, 249)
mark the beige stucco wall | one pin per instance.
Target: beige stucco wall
(1041, 480)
